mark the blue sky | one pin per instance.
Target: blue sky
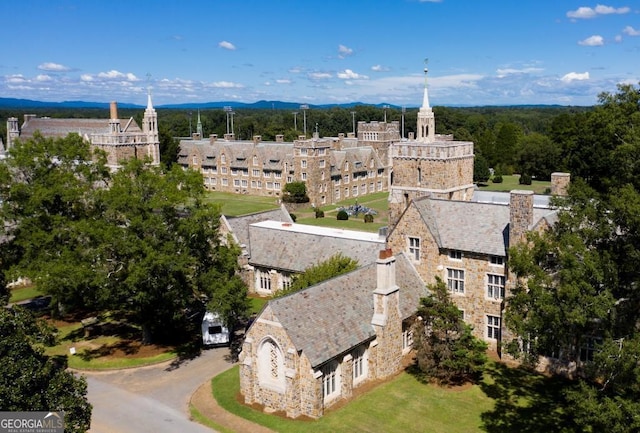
(491, 52)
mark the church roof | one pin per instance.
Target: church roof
(470, 226)
(334, 316)
(295, 247)
(239, 226)
(49, 127)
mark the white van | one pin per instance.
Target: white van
(214, 331)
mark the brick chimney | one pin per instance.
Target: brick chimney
(213, 138)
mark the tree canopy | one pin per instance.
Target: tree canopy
(32, 381)
(446, 350)
(332, 267)
(139, 242)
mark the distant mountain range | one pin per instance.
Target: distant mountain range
(274, 105)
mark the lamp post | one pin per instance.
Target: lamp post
(295, 120)
(353, 120)
(190, 133)
(403, 111)
(385, 112)
(304, 108)
(228, 110)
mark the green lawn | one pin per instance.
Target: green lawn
(23, 293)
(401, 405)
(238, 204)
(510, 183)
(508, 400)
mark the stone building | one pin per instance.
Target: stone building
(309, 350)
(333, 168)
(465, 243)
(429, 165)
(121, 139)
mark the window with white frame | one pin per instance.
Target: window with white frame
(289, 179)
(255, 172)
(322, 163)
(269, 185)
(286, 281)
(495, 286)
(245, 172)
(277, 185)
(223, 170)
(336, 193)
(360, 364)
(493, 327)
(321, 151)
(236, 182)
(455, 280)
(271, 365)
(214, 170)
(214, 181)
(223, 158)
(303, 151)
(346, 192)
(346, 166)
(277, 174)
(455, 255)
(225, 182)
(245, 183)
(346, 178)
(354, 190)
(234, 172)
(253, 184)
(497, 260)
(264, 281)
(379, 185)
(331, 380)
(304, 176)
(304, 163)
(195, 160)
(255, 160)
(407, 336)
(414, 248)
(259, 184)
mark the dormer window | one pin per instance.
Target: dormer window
(455, 255)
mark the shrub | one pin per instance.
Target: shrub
(319, 213)
(368, 218)
(342, 215)
(295, 192)
(497, 178)
(547, 191)
(525, 179)
(293, 217)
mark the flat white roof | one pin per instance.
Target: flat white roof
(321, 231)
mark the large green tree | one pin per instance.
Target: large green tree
(32, 381)
(446, 350)
(140, 242)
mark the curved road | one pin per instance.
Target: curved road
(152, 399)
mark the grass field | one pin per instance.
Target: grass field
(507, 400)
(22, 293)
(510, 183)
(238, 204)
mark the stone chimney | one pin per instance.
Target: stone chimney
(386, 320)
(27, 118)
(113, 110)
(560, 183)
(411, 136)
(279, 138)
(257, 139)
(229, 137)
(195, 136)
(520, 215)
(213, 138)
(351, 135)
(302, 137)
(114, 122)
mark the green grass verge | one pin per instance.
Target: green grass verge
(23, 293)
(199, 418)
(256, 304)
(402, 404)
(238, 204)
(94, 353)
(510, 183)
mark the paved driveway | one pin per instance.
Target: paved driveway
(152, 399)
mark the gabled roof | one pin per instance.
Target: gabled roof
(296, 247)
(469, 226)
(62, 127)
(239, 226)
(334, 316)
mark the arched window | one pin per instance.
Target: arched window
(271, 365)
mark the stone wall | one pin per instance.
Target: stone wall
(560, 183)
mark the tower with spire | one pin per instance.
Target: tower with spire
(428, 164)
(150, 130)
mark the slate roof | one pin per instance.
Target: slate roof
(62, 127)
(334, 316)
(295, 247)
(501, 197)
(239, 154)
(471, 226)
(239, 226)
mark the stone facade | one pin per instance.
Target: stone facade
(307, 351)
(333, 168)
(560, 183)
(120, 139)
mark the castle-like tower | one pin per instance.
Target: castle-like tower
(150, 129)
(430, 164)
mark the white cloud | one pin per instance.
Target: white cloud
(86, 77)
(344, 51)
(283, 81)
(379, 68)
(503, 72)
(53, 67)
(226, 85)
(348, 74)
(575, 76)
(618, 38)
(43, 78)
(295, 70)
(117, 75)
(227, 45)
(631, 31)
(319, 75)
(14, 79)
(592, 41)
(586, 12)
